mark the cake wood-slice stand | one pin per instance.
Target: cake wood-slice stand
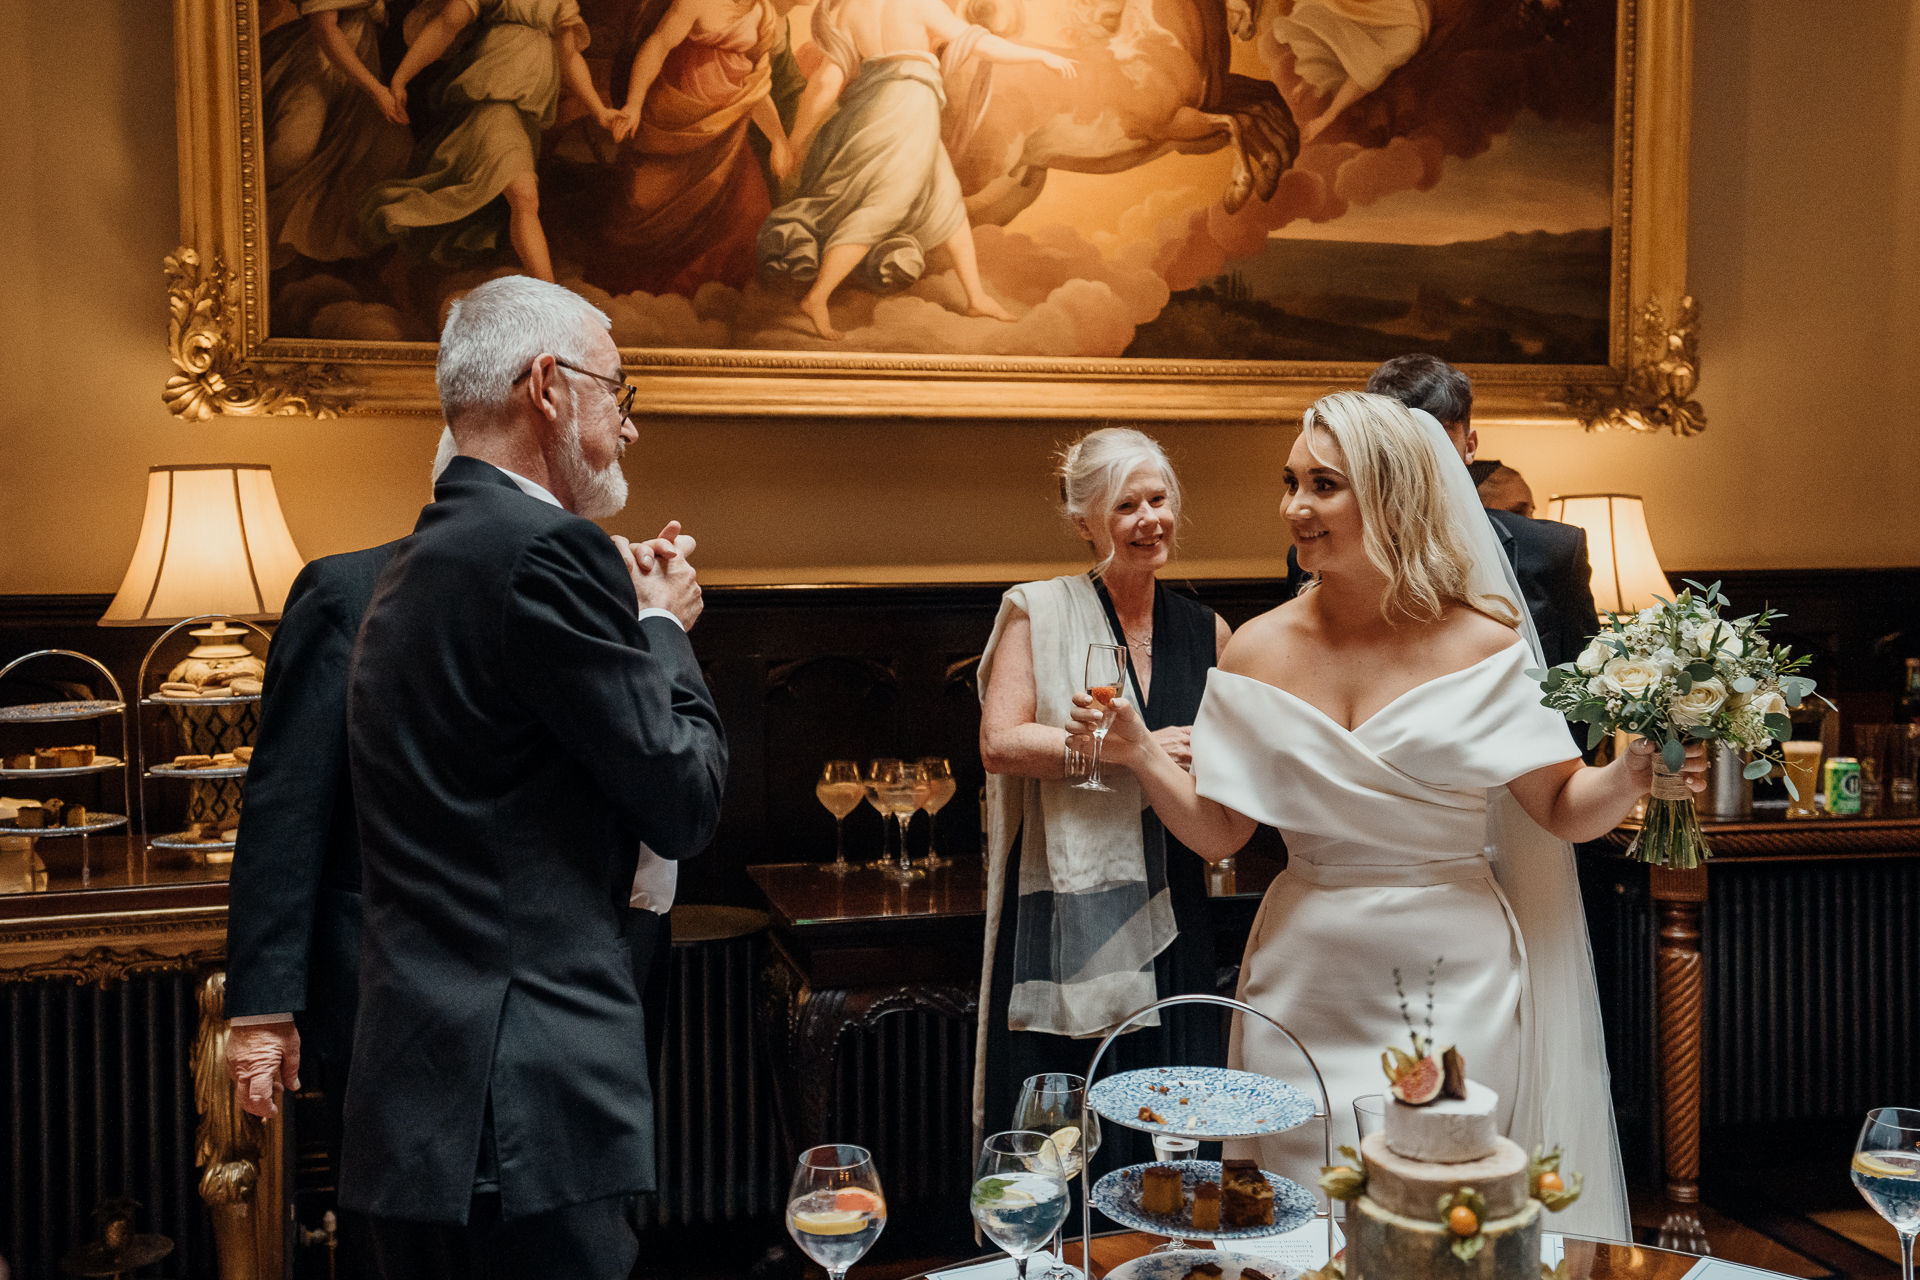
(1281, 1109)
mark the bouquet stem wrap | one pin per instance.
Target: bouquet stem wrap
(1670, 836)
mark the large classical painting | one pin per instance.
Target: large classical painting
(1208, 208)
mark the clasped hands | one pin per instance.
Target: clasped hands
(663, 577)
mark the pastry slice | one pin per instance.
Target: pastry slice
(1161, 1191)
(1246, 1197)
(1206, 1206)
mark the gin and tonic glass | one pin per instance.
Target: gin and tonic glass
(1886, 1172)
(1019, 1194)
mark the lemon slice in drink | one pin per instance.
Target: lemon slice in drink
(830, 1222)
(1066, 1139)
(1877, 1165)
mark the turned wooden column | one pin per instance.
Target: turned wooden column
(244, 1182)
(1680, 986)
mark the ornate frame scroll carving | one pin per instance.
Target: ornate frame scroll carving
(104, 950)
(228, 362)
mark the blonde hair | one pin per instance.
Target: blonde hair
(1405, 526)
(1093, 469)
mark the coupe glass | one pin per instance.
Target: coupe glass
(1106, 672)
(840, 790)
(1886, 1170)
(1054, 1104)
(835, 1210)
(937, 778)
(1019, 1195)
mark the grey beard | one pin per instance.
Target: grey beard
(596, 494)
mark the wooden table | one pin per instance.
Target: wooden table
(1680, 970)
(847, 951)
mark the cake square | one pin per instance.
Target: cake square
(1246, 1197)
(1161, 1191)
(1206, 1206)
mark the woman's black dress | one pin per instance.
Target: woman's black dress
(1184, 646)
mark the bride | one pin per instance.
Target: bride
(1383, 722)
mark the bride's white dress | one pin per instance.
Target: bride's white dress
(1388, 830)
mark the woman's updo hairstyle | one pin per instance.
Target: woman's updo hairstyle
(1406, 525)
(1094, 469)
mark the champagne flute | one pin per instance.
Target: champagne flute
(940, 788)
(904, 796)
(1106, 670)
(884, 766)
(1019, 1195)
(835, 1210)
(1886, 1171)
(1054, 1103)
(840, 790)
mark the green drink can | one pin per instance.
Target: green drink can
(1843, 785)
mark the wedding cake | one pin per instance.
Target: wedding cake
(1438, 1193)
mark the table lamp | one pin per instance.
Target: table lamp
(213, 541)
(1626, 572)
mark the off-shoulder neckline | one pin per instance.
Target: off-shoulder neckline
(1392, 703)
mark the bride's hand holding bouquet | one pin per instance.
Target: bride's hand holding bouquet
(1680, 676)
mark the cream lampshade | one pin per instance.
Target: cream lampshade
(1626, 572)
(213, 541)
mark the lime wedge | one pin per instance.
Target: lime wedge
(830, 1222)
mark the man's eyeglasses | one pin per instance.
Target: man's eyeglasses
(621, 390)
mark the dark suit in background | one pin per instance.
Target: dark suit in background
(293, 913)
(1549, 560)
(515, 733)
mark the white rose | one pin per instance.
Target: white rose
(1599, 687)
(1665, 659)
(1649, 613)
(1701, 634)
(1631, 676)
(1698, 704)
(1769, 703)
(1592, 658)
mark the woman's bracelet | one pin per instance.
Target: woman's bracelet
(1073, 763)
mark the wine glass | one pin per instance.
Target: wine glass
(840, 790)
(1054, 1103)
(1106, 667)
(885, 766)
(940, 788)
(890, 788)
(1019, 1195)
(1886, 1171)
(835, 1210)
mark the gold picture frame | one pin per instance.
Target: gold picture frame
(228, 362)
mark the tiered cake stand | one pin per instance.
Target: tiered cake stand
(1213, 1105)
(51, 712)
(217, 851)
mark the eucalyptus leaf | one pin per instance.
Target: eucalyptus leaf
(1757, 769)
(1684, 683)
(1673, 754)
(1535, 673)
(1791, 789)
(1778, 725)
(1596, 732)
(1700, 670)
(1704, 732)
(1745, 684)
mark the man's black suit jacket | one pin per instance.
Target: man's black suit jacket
(1550, 561)
(293, 913)
(515, 732)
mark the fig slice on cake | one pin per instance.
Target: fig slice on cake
(1415, 1081)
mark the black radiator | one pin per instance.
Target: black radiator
(1813, 990)
(903, 1089)
(718, 1152)
(99, 1104)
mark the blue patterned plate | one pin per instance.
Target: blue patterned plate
(1176, 1264)
(1118, 1196)
(1209, 1103)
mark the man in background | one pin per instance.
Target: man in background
(524, 710)
(1501, 488)
(1549, 559)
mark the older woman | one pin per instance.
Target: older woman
(1384, 722)
(1092, 912)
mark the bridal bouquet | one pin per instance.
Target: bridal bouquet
(1676, 673)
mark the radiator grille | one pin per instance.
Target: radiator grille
(717, 1148)
(99, 1104)
(904, 1091)
(1813, 997)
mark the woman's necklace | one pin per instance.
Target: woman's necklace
(1143, 643)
